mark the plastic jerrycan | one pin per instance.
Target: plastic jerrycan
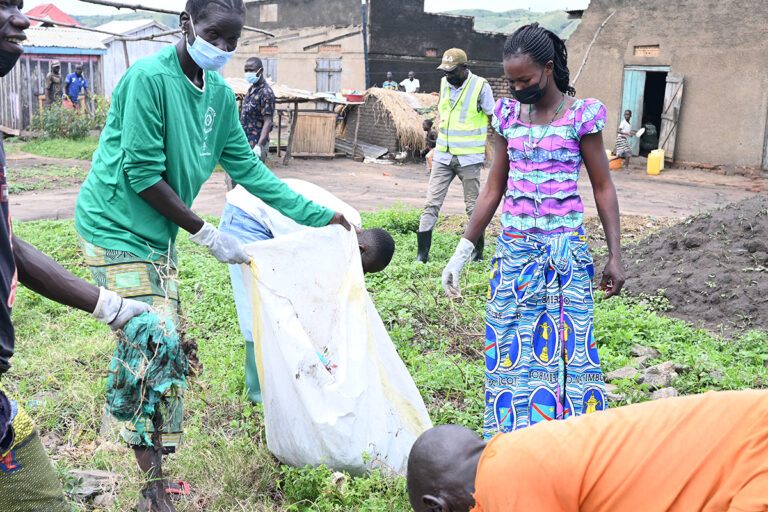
(655, 161)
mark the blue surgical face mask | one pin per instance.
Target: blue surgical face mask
(206, 55)
(253, 78)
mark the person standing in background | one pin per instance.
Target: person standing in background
(389, 83)
(258, 108)
(466, 103)
(53, 90)
(73, 84)
(623, 149)
(411, 84)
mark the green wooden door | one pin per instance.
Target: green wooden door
(632, 99)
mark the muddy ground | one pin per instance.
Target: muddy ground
(711, 267)
(369, 187)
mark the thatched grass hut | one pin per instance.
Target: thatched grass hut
(391, 119)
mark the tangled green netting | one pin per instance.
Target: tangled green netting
(147, 362)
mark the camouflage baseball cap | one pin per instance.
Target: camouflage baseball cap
(55, 63)
(452, 58)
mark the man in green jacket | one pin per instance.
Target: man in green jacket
(172, 119)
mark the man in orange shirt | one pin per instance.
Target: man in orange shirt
(706, 452)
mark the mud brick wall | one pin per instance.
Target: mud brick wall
(376, 126)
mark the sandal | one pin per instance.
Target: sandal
(184, 489)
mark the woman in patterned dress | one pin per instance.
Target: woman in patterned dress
(540, 356)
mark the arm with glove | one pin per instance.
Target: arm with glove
(486, 205)
(42, 275)
(223, 247)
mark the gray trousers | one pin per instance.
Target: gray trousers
(439, 182)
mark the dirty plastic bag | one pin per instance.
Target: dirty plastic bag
(333, 385)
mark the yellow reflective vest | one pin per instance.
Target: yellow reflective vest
(463, 129)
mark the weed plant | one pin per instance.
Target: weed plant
(58, 121)
(62, 357)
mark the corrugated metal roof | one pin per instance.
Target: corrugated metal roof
(50, 12)
(58, 37)
(129, 27)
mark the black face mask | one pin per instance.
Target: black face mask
(531, 94)
(7, 61)
(454, 80)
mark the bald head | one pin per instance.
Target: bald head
(441, 469)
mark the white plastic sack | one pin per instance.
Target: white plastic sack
(309, 299)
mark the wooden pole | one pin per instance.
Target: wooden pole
(139, 7)
(293, 132)
(125, 55)
(357, 128)
(70, 25)
(279, 131)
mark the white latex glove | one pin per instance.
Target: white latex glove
(115, 311)
(257, 150)
(224, 247)
(455, 264)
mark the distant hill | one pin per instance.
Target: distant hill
(169, 20)
(509, 21)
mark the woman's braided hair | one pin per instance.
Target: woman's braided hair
(542, 46)
(196, 7)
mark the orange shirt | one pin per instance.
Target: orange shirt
(706, 452)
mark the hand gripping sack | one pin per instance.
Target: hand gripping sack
(333, 385)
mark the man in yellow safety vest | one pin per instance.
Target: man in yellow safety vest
(466, 102)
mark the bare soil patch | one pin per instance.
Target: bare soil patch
(712, 267)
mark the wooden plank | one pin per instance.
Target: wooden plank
(315, 133)
(293, 131)
(357, 130)
(29, 91)
(9, 131)
(670, 115)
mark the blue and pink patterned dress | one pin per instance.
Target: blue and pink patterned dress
(541, 360)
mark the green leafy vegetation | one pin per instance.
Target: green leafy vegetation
(62, 356)
(509, 21)
(59, 121)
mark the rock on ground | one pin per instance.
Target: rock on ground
(658, 376)
(664, 393)
(95, 481)
(627, 372)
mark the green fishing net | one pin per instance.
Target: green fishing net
(147, 362)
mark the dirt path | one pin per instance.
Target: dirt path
(368, 187)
